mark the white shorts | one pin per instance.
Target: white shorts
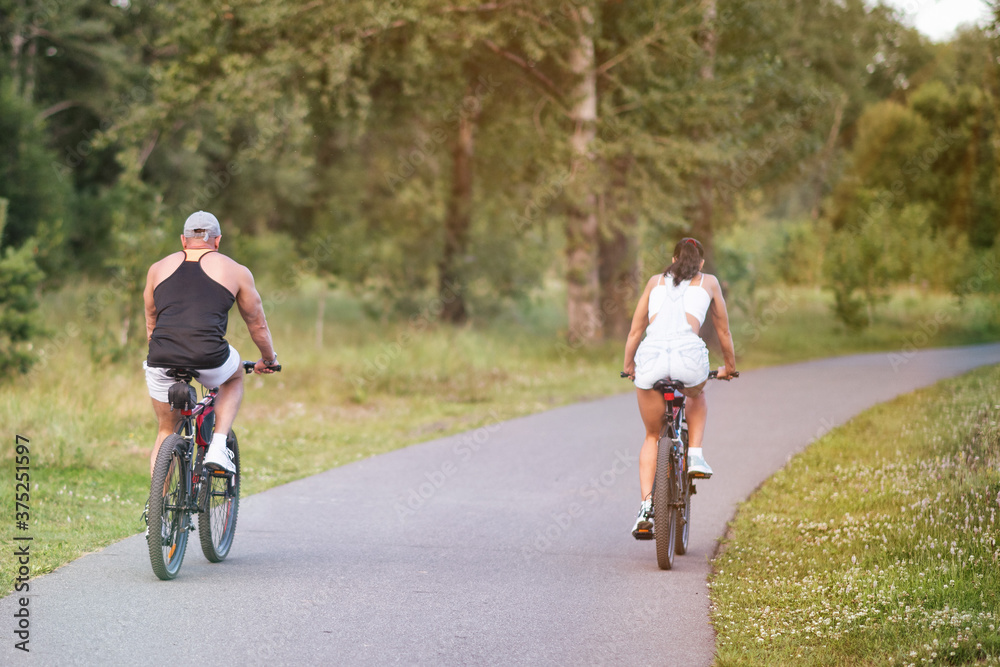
(158, 382)
(682, 358)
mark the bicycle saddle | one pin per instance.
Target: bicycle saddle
(182, 374)
(667, 385)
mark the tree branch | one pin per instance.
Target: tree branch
(56, 108)
(148, 149)
(487, 7)
(523, 64)
(601, 69)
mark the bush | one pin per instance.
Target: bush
(856, 271)
(19, 321)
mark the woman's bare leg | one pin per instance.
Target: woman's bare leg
(697, 417)
(651, 407)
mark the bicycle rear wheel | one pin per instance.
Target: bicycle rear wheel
(665, 493)
(684, 510)
(219, 503)
(166, 532)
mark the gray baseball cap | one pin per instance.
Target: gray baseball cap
(202, 224)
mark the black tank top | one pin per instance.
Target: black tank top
(192, 314)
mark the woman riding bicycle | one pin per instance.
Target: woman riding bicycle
(671, 311)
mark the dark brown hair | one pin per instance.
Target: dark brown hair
(688, 254)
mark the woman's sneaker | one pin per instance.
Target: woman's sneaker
(697, 467)
(643, 528)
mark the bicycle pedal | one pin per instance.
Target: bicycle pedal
(699, 475)
(643, 534)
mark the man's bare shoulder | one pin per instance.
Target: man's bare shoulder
(217, 260)
(169, 259)
(166, 265)
(226, 270)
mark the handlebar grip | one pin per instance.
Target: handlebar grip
(248, 366)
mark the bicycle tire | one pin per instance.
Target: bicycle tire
(166, 515)
(220, 505)
(664, 505)
(684, 510)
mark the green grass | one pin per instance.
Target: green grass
(875, 546)
(796, 324)
(371, 387)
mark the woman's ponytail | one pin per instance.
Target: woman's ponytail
(688, 254)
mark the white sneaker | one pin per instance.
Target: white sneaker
(219, 457)
(643, 528)
(697, 466)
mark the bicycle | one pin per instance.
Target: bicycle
(181, 488)
(672, 486)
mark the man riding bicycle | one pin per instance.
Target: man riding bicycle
(187, 298)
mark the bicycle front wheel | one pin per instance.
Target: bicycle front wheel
(220, 503)
(665, 494)
(166, 532)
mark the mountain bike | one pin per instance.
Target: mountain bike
(183, 492)
(672, 485)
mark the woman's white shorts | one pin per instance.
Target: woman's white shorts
(682, 358)
(158, 382)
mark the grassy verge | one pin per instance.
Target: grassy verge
(369, 387)
(877, 545)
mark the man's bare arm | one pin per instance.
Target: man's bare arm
(150, 306)
(252, 309)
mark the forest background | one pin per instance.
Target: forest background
(477, 155)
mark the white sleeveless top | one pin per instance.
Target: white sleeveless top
(672, 302)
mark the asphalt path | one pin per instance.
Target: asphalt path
(508, 545)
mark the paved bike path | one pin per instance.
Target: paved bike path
(508, 545)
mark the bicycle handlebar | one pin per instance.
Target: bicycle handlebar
(712, 375)
(248, 366)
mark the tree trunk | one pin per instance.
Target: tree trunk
(585, 324)
(618, 271)
(827, 156)
(458, 218)
(320, 316)
(28, 91)
(702, 210)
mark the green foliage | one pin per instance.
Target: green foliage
(799, 259)
(337, 125)
(35, 196)
(856, 263)
(19, 319)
